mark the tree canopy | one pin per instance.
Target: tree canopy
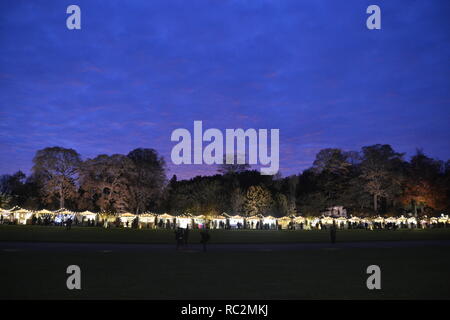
(374, 180)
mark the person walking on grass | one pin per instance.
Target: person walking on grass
(186, 235)
(333, 232)
(204, 238)
(69, 224)
(179, 237)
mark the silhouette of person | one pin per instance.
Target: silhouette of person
(204, 238)
(179, 237)
(69, 224)
(186, 235)
(333, 232)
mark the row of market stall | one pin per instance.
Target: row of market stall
(224, 221)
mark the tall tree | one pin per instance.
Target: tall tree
(424, 186)
(381, 172)
(107, 182)
(237, 199)
(331, 160)
(258, 200)
(150, 176)
(333, 173)
(56, 170)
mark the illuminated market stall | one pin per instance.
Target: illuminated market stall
(412, 222)
(402, 222)
(127, 219)
(184, 221)
(199, 222)
(326, 221)
(236, 222)
(45, 216)
(63, 215)
(285, 222)
(22, 216)
(354, 222)
(164, 221)
(443, 220)
(378, 222)
(314, 222)
(218, 221)
(253, 222)
(5, 216)
(269, 222)
(299, 223)
(107, 219)
(341, 222)
(87, 217)
(147, 220)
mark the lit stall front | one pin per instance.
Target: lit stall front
(254, 222)
(412, 222)
(126, 219)
(269, 222)
(45, 216)
(164, 221)
(299, 223)
(367, 223)
(314, 222)
(390, 222)
(219, 221)
(443, 220)
(184, 221)
(63, 215)
(424, 222)
(378, 222)
(341, 222)
(236, 222)
(87, 217)
(199, 221)
(22, 216)
(402, 221)
(147, 220)
(5, 216)
(285, 222)
(326, 221)
(107, 219)
(354, 222)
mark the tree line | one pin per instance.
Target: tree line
(374, 180)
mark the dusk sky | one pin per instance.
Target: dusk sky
(137, 70)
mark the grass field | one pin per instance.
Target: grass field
(407, 273)
(325, 272)
(122, 235)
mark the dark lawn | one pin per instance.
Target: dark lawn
(122, 235)
(328, 273)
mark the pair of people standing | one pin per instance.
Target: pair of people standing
(182, 235)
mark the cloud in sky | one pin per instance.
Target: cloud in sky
(139, 69)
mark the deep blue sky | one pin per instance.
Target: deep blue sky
(139, 69)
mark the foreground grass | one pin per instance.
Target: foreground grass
(122, 235)
(329, 273)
